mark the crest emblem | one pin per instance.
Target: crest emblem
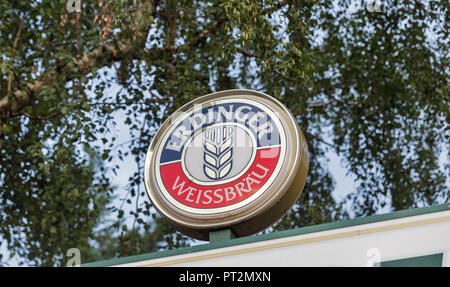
(218, 152)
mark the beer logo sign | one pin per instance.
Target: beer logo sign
(234, 159)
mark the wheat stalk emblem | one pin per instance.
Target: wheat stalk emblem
(218, 147)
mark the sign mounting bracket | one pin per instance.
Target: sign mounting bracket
(221, 235)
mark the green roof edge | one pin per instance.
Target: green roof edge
(273, 235)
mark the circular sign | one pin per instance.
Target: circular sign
(232, 159)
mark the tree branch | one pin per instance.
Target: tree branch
(37, 117)
(16, 41)
(90, 60)
(68, 71)
(322, 141)
(332, 100)
(104, 54)
(319, 104)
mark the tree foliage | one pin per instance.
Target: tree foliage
(371, 86)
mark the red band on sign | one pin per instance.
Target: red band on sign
(213, 196)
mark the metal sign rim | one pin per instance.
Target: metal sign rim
(295, 148)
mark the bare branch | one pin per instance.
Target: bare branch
(319, 104)
(322, 141)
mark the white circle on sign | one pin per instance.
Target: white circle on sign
(219, 154)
